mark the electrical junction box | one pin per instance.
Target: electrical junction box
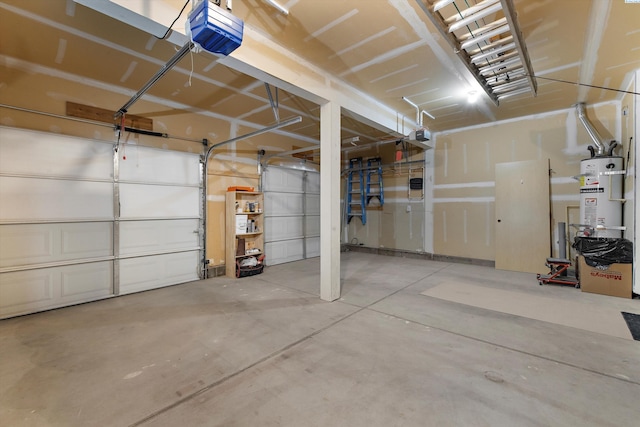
(415, 184)
(215, 29)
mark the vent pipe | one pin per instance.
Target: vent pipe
(414, 105)
(593, 133)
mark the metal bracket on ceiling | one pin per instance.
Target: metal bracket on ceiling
(274, 104)
(488, 41)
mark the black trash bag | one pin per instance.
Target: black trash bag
(602, 252)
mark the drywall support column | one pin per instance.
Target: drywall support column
(330, 201)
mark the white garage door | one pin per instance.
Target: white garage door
(71, 232)
(159, 221)
(292, 214)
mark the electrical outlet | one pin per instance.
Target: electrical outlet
(408, 208)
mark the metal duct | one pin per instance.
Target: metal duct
(591, 130)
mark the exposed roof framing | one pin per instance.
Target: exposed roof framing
(487, 39)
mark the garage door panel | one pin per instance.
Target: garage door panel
(283, 180)
(312, 204)
(151, 272)
(86, 280)
(313, 247)
(292, 206)
(27, 199)
(284, 251)
(158, 201)
(28, 244)
(313, 182)
(45, 288)
(283, 204)
(57, 204)
(312, 225)
(26, 287)
(279, 228)
(150, 165)
(139, 237)
(31, 153)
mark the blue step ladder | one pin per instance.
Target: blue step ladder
(374, 180)
(356, 191)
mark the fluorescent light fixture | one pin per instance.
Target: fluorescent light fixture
(472, 96)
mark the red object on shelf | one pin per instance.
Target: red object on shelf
(239, 188)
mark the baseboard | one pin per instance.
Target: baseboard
(416, 255)
(216, 271)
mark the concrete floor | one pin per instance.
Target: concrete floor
(266, 351)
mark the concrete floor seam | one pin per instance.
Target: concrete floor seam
(506, 347)
(275, 353)
(240, 371)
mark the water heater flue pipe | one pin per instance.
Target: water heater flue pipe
(414, 105)
(591, 130)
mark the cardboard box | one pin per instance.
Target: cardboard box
(615, 280)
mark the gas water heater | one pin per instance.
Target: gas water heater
(601, 177)
(600, 197)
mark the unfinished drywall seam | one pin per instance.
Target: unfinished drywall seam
(464, 158)
(70, 8)
(332, 24)
(258, 58)
(473, 184)
(446, 159)
(539, 145)
(464, 199)
(126, 51)
(410, 224)
(556, 69)
(464, 227)
(488, 222)
(62, 48)
(487, 152)
(365, 41)
(427, 225)
(522, 118)
(444, 226)
(422, 31)
(16, 63)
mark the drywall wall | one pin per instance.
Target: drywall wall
(400, 222)
(464, 176)
(457, 216)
